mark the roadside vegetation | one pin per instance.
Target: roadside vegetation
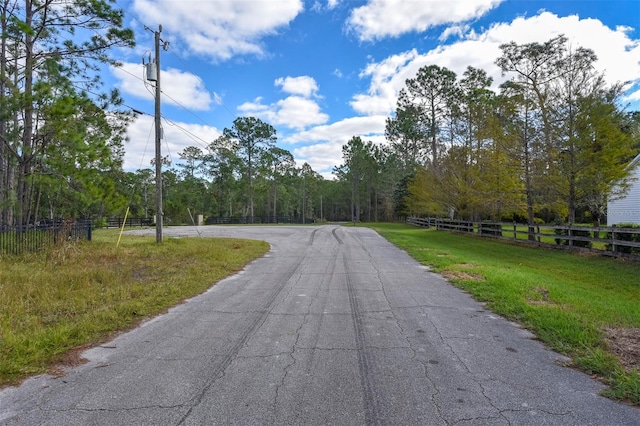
(584, 306)
(78, 294)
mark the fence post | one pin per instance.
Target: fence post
(515, 231)
(569, 236)
(613, 240)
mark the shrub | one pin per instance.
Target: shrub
(625, 236)
(574, 233)
(493, 229)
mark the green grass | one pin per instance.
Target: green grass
(80, 293)
(566, 299)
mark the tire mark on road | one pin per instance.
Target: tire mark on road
(255, 323)
(313, 235)
(365, 361)
(333, 231)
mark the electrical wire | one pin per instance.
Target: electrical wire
(216, 98)
(192, 136)
(142, 79)
(144, 152)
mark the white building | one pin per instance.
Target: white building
(627, 208)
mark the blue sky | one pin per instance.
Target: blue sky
(323, 71)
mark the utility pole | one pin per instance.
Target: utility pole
(159, 213)
(153, 74)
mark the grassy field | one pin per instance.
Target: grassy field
(571, 302)
(80, 293)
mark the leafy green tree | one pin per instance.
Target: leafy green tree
(336, 196)
(593, 146)
(358, 163)
(308, 179)
(407, 135)
(277, 163)
(605, 148)
(222, 166)
(140, 188)
(432, 93)
(192, 156)
(425, 194)
(46, 45)
(534, 67)
(251, 137)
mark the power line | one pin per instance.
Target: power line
(187, 109)
(194, 137)
(144, 152)
(188, 68)
(213, 93)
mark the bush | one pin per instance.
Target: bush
(574, 233)
(625, 236)
(100, 223)
(493, 229)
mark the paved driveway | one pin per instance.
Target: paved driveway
(333, 326)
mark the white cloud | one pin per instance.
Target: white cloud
(383, 18)
(326, 152)
(387, 78)
(222, 29)
(317, 6)
(179, 88)
(322, 157)
(618, 55)
(342, 130)
(454, 30)
(294, 112)
(633, 95)
(140, 149)
(304, 85)
(132, 80)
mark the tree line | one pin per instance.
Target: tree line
(551, 144)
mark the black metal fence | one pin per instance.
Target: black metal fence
(117, 222)
(255, 220)
(23, 239)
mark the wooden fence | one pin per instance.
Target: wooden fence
(616, 241)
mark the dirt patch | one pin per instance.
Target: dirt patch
(540, 297)
(72, 358)
(461, 275)
(625, 344)
(543, 292)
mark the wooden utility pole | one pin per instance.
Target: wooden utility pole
(159, 213)
(153, 74)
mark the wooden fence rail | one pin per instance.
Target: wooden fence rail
(616, 241)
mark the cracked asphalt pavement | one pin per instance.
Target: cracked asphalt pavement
(333, 326)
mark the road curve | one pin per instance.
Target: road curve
(333, 326)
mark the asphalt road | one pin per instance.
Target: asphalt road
(333, 326)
